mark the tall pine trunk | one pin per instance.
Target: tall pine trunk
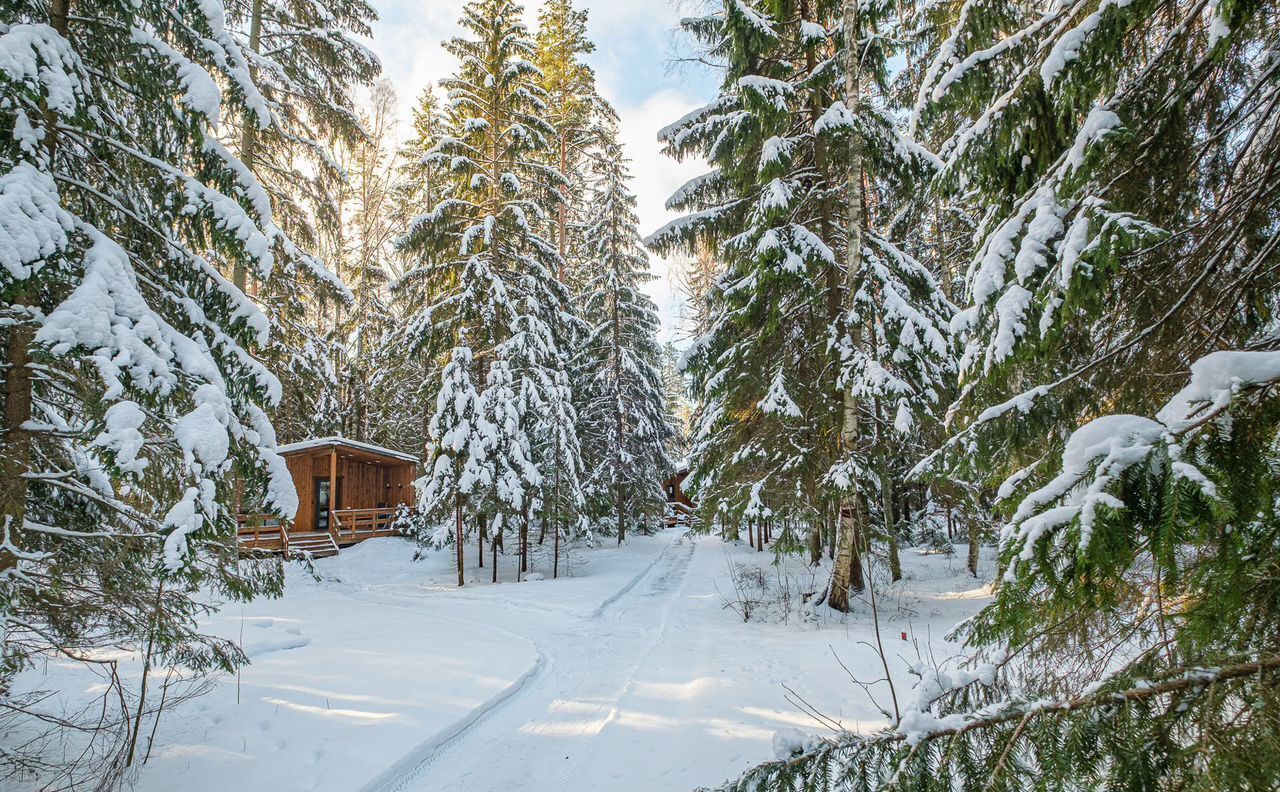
(458, 539)
(617, 416)
(974, 536)
(555, 523)
(249, 135)
(815, 543)
(524, 541)
(848, 566)
(15, 442)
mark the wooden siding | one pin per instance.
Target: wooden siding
(673, 488)
(364, 483)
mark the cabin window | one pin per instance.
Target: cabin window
(322, 502)
(671, 492)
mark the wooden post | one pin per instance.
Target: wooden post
(333, 485)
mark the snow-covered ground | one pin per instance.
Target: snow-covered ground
(633, 674)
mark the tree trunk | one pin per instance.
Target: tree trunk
(524, 541)
(15, 453)
(249, 135)
(555, 553)
(890, 524)
(555, 524)
(493, 557)
(617, 417)
(815, 543)
(458, 539)
(15, 439)
(480, 540)
(562, 215)
(974, 536)
(848, 567)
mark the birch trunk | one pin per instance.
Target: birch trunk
(847, 575)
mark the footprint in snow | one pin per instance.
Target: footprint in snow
(260, 648)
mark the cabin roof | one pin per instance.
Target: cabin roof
(326, 442)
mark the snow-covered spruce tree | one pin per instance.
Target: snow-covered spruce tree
(811, 337)
(1129, 155)
(131, 402)
(331, 338)
(420, 183)
(360, 253)
(307, 61)
(674, 392)
(764, 211)
(499, 313)
(625, 423)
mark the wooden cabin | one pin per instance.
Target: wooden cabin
(681, 505)
(347, 492)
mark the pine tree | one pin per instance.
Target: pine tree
(420, 183)
(362, 261)
(499, 309)
(626, 417)
(1126, 156)
(135, 414)
(307, 61)
(674, 390)
(806, 160)
(575, 111)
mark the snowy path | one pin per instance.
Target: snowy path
(542, 735)
(629, 674)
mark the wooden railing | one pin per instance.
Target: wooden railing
(680, 513)
(262, 532)
(355, 525)
(346, 526)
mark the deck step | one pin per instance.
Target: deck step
(318, 544)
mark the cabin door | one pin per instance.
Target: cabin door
(322, 502)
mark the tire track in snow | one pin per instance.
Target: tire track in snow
(631, 584)
(672, 580)
(410, 769)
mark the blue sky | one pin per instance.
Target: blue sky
(636, 46)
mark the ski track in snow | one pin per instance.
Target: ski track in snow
(584, 668)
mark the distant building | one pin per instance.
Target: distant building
(347, 492)
(681, 505)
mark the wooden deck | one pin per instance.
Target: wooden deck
(681, 514)
(258, 532)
